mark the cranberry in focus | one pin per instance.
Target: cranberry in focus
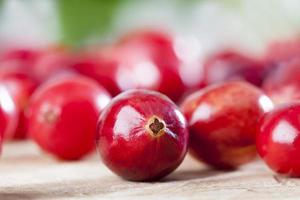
(278, 139)
(230, 65)
(222, 121)
(142, 136)
(63, 116)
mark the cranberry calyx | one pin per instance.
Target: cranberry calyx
(156, 126)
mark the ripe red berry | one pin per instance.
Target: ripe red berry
(230, 65)
(282, 51)
(63, 116)
(142, 136)
(283, 84)
(222, 121)
(100, 68)
(19, 59)
(143, 60)
(8, 112)
(278, 139)
(50, 62)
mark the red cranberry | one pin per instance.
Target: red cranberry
(63, 116)
(283, 84)
(282, 51)
(142, 136)
(22, 54)
(143, 60)
(51, 62)
(20, 87)
(151, 63)
(100, 68)
(8, 111)
(222, 122)
(3, 121)
(230, 65)
(278, 139)
(19, 59)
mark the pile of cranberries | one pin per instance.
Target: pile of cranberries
(148, 99)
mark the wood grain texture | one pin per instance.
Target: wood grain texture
(26, 173)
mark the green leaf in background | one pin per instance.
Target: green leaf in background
(83, 19)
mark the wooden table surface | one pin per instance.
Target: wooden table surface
(26, 173)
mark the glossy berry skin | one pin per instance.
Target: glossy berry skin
(63, 116)
(100, 68)
(278, 139)
(232, 65)
(142, 136)
(143, 60)
(222, 121)
(20, 86)
(283, 84)
(9, 112)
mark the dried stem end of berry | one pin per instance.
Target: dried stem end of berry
(156, 126)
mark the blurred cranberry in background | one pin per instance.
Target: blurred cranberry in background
(8, 112)
(232, 65)
(21, 59)
(283, 84)
(22, 55)
(52, 61)
(281, 51)
(63, 115)
(222, 120)
(39, 63)
(102, 69)
(142, 59)
(20, 86)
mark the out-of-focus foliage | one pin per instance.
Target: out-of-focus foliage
(83, 19)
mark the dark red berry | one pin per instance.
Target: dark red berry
(142, 136)
(143, 60)
(63, 116)
(222, 121)
(231, 65)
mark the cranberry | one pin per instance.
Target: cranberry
(3, 121)
(281, 51)
(283, 84)
(22, 54)
(8, 112)
(142, 136)
(222, 122)
(144, 60)
(278, 139)
(100, 68)
(20, 87)
(63, 116)
(19, 59)
(51, 62)
(231, 65)
(151, 63)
